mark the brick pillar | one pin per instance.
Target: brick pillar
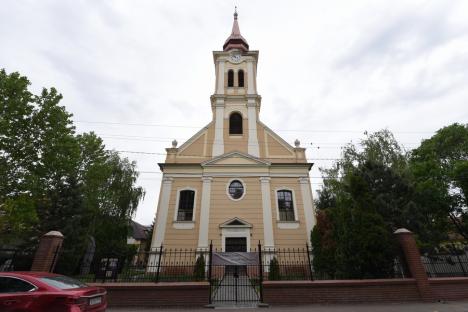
(413, 261)
(47, 252)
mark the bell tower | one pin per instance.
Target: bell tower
(235, 102)
(235, 181)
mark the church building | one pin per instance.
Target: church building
(235, 182)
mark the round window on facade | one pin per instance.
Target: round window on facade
(236, 189)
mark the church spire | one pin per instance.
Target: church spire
(235, 40)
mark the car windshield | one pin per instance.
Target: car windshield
(62, 282)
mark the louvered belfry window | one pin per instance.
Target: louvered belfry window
(240, 78)
(235, 123)
(230, 78)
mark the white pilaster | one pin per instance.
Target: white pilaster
(205, 212)
(250, 78)
(268, 238)
(218, 143)
(309, 209)
(220, 80)
(253, 148)
(161, 220)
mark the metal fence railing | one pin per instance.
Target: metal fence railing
(449, 262)
(176, 265)
(156, 265)
(15, 260)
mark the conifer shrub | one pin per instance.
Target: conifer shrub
(274, 274)
(199, 269)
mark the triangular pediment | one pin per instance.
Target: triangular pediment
(236, 159)
(235, 223)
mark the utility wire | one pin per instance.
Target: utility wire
(201, 127)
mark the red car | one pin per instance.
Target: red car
(48, 292)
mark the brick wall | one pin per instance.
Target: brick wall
(195, 294)
(450, 288)
(190, 294)
(345, 291)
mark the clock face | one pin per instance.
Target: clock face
(235, 58)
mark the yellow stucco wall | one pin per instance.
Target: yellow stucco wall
(177, 238)
(249, 209)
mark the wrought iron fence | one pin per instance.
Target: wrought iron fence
(297, 264)
(15, 260)
(450, 261)
(156, 265)
(176, 265)
(288, 264)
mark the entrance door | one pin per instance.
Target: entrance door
(236, 244)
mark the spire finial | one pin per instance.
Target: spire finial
(235, 40)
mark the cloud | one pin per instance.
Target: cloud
(336, 66)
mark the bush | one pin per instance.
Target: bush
(199, 270)
(274, 274)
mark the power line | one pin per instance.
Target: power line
(164, 154)
(312, 177)
(200, 127)
(234, 144)
(169, 139)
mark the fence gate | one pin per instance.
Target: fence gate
(235, 278)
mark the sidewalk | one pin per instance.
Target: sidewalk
(458, 306)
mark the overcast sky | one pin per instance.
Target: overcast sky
(140, 73)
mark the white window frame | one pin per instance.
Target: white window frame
(296, 219)
(243, 185)
(235, 232)
(241, 230)
(184, 225)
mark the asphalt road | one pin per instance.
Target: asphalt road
(459, 306)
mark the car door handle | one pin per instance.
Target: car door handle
(9, 302)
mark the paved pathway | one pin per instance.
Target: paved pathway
(401, 307)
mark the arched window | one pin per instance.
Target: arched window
(230, 78)
(240, 78)
(185, 209)
(285, 205)
(235, 123)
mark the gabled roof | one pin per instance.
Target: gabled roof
(139, 231)
(244, 159)
(235, 222)
(194, 137)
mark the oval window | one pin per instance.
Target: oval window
(236, 189)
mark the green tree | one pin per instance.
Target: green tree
(367, 195)
(323, 245)
(17, 155)
(54, 179)
(440, 169)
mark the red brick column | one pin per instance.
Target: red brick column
(415, 266)
(47, 252)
